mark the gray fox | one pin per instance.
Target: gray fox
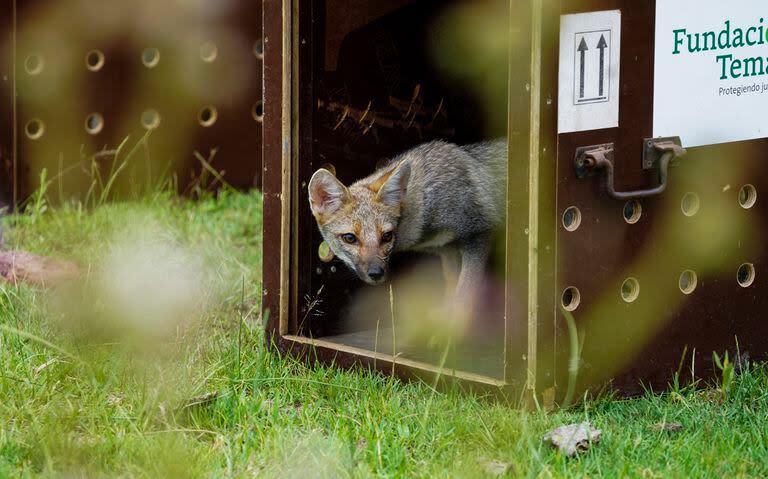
(437, 197)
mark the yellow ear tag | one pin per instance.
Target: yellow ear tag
(325, 253)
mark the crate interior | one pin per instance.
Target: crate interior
(374, 90)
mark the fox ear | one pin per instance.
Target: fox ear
(326, 193)
(392, 192)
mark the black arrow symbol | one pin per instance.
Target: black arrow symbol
(582, 49)
(602, 45)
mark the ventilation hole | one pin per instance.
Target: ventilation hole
(748, 196)
(571, 298)
(34, 129)
(150, 57)
(34, 64)
(572, 218)
(150, 119)
(207, 116)
(630, 290)
(329, 167)
(746, 275)
(633, 211)
(257, 112)
(690, 204)
(258, 49)
(94, 60)
(324, 253)
(94, 123)
(208, 52)
(688, 281)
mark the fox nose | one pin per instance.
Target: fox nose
(375, 272)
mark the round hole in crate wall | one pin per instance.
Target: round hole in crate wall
(150, 119)
(34, 64)
(630, 290)
(258, 49)
(746, 275)
(571, 218)
(94, 60)
(94, 123)
(207, 116)
(571, 298)
(257, 112)
(633, 211)
(34, 129)
(748, 196)
(690, 204)
(208, 52)
(150, 57)
(688, 281)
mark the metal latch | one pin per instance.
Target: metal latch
(658, 154)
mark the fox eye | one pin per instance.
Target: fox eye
(386, 237)
(349, 238)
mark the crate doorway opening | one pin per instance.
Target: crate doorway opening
(372, 87)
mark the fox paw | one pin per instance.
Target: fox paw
(449, 321)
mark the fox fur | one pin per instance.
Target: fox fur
(437, 197)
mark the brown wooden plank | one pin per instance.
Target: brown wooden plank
(273, 149)
(8, 166)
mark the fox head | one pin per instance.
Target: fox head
(359, 222)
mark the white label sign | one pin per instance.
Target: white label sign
(590, 46)
(711, 70)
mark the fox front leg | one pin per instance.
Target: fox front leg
(469, 261)
(457, 312)
(474, 258)
(451, 262)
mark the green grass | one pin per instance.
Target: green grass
(98, 380)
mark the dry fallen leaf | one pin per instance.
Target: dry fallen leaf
(45, 365)
(295, 408)
(362, 445)
(201, 400)
(495, 468)
(23, 267)
(712, 395)
(668, 426)
(573, 438)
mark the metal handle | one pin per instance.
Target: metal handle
(657, 154)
